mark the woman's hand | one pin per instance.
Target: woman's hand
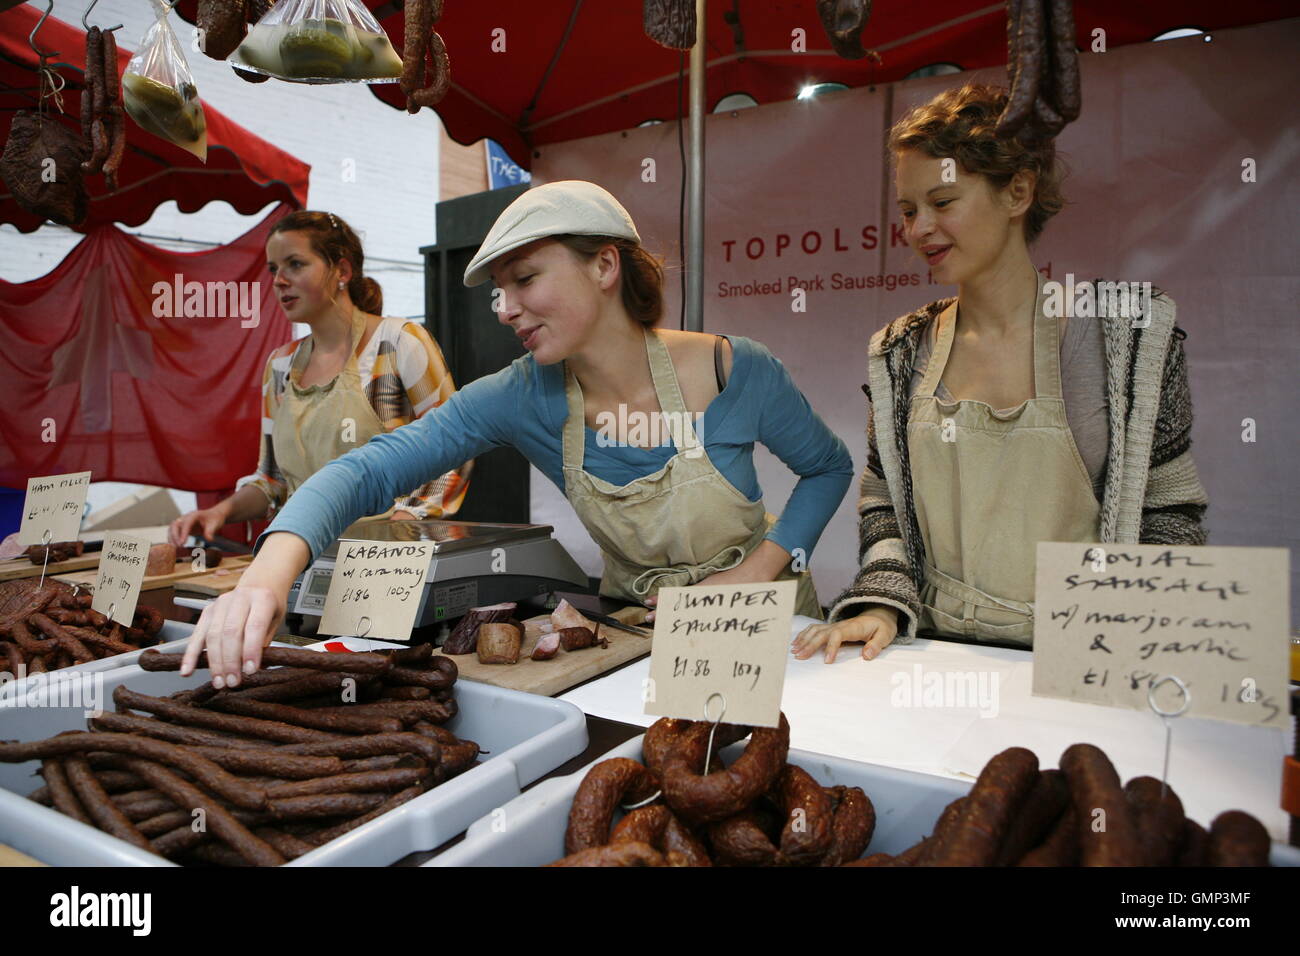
(876, 627)
(404, 516)
(209, 520)
(236, 626)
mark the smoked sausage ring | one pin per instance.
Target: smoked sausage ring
(601, 791)
(697, 799)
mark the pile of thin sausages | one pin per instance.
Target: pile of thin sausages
(103, 120)
(1079, 815)
(426, 69)
(1042, 68)
(46, 626)
(293, 758)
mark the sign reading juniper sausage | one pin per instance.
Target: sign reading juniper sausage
(730, 641)
(53, 504)
(1112, 621)
(117, 583)
(376, 589)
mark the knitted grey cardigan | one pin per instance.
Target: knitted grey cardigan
(1152, 493)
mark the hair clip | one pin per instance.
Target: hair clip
(334, 223)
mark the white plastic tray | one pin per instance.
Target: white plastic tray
(524, 736)
(529, 830)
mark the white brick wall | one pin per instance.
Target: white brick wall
(390, 204)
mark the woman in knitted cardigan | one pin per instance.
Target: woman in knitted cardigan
(956, 495)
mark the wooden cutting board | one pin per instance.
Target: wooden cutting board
(217, 581)
(182, 571)
(11, 857)
(567, 668)
(22, 568)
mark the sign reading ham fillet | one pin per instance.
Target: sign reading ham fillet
(376, 589)
(1113, 621)
(721, 647)
(52, 508)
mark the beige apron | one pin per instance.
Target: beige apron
(988, 486)
(308, 427)
(673, 527)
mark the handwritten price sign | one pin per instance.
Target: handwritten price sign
(731, 640)
(52, 508)
(121, 569)
(376, 589)
(1112, 620)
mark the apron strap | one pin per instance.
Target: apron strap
(968, 595)
(1047, 348)
(669, 392)
(654, 578)
(575, 435)
(947, 322)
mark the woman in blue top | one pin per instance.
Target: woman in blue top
(649, 433)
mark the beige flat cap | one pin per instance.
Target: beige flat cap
(568, 207)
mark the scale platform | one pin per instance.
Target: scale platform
(474, 564)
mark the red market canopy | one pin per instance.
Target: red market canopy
(576, 68)
(242, 169)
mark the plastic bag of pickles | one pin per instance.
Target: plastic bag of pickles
(319, 41)
(159, 92)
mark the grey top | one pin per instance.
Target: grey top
(1083, 385)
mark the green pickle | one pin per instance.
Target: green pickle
(162, 110)
(317, 48)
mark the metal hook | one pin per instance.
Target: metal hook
(1165, 715)
(1151, 696)
(366, 618)
(31, 37)
(86, 15)
(714, 729)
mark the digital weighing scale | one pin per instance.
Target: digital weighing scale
(474, 564)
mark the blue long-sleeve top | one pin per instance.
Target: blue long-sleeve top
(523, 405)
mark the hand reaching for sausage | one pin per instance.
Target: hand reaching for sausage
(208, 520)
(876, 628)
(235, 627)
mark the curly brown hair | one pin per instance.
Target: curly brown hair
(333, 240)
(642, 274)
(959, 124)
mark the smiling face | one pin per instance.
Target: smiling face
(305, 284)
(551, 298)
(961, 228)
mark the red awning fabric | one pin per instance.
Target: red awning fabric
(575, 68)
(139, 364)
(242, 169)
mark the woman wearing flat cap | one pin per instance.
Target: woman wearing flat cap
(671, 505)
